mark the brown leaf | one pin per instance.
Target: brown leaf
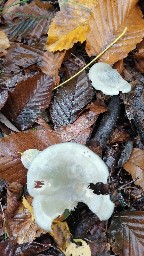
(51, 63)
(4, 43)
(9, 7)
(127, 233)
(109, 20)
(119, 135)
(22, 228)
(81, 129)
(29, 99)
(14, 191)
(11, 168)
(61, 234)
(32, 24)
(135, 166)
(139, 57)
(70, 99)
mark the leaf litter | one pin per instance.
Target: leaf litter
(112, 126)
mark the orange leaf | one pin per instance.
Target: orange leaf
(135, 166)
(99, 23)
(4, 43)
(109, 20)
(70, 25)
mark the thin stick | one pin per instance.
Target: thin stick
(98, 56)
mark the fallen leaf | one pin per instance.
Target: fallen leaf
(135, 166)
(11, 168)
(51, 63)
(22, 228)
(134, 106)
(70, 25)
(14, 192)
(32, 24)
(28, 207)
(4, 43)
(139, 57)
(119, 135)
(78, 250)
(127, 233)
(3, 98)
(9, 7)
(7, 123)
(81, 129)
(61, 234)
(29, 100)
(70, 99)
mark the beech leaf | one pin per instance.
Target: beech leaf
(11, 147)
(4, 43)
(99, 23)
(127, 233)
(135, 166)
(72, 98)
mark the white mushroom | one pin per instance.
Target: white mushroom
(58, 178)
(107, 79)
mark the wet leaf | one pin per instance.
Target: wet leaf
(22, 228)
(134, 104)
(81, 129)
(99, 23)
(12, 146)
(4, 43)
(33, 23)
(61, 234)
(135, 166)
(29, 99)
(110, 19)
(127, 233)
(14, 191)
(69, 25)
(139, 57)
(70, 99)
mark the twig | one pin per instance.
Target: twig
(98, 56)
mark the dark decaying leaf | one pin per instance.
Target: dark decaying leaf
(108, 122)
(94, 231)
(14, 192)
(139, 57)
(125, 153)
(3, 98)
(29, 99)
(127, 233)
(81, 129)
(72, 97)
(134, 101)
(11, 147)
(34, 22)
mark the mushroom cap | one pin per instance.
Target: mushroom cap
(63, 164)
(107, 79)
(58, 178)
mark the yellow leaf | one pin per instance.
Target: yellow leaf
(4, 42)
(61, 234)
(28, 206)
(75, 250)
(70, 25)
(99, 23)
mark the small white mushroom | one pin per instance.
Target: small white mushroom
(58, 178)
(107, 79)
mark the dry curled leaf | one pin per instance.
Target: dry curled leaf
(127, 233)
(135, 166)
(11, 147)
